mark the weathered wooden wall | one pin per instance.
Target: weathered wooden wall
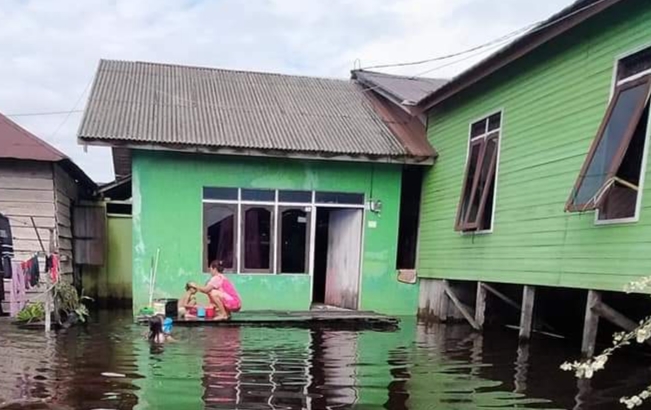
(65, 194)
(27, 190)
(45, 192)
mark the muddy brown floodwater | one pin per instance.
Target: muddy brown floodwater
(108, 365)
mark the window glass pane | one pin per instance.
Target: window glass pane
(494, 121)
(614, 132)
(634, 64)
(257, 239)
(261, 195)
(295, 196)
(294, 240)
(220, 193)
(473, 158)
(478, 128)
(621, 201)
(491, 148)
(339, 198)
(219, 234)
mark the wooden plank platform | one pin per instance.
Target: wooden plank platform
(343, 318)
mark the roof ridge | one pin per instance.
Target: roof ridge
(207, 68)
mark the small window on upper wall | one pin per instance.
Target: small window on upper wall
(475, 212)
(611, 174)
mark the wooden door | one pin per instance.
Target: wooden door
(344, 256)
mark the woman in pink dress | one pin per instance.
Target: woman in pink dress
(221, 292)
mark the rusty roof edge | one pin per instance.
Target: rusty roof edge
(309, 155)
(577, 13)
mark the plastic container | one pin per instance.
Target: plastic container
(192, 311)
(201, 312)
(210, 312)
(159, 308)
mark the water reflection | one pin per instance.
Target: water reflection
(109, 365)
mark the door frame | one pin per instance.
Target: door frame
(315, 210)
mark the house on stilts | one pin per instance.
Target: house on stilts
(540, 181)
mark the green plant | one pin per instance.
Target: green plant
(68, 301)
(33, 312)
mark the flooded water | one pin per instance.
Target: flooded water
(109, 365)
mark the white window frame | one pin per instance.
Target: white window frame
(614, 84)
(310, 208)
(497, 165)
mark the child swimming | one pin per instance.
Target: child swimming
(160, 329)
(221, 292)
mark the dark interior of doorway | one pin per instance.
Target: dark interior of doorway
(320, 255)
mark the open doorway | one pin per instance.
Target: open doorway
(337, 256)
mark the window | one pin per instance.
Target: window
(264, 230)
(339, 198)
(475, 211)
(610, 178)
(294, 225)
(257, 238)
(219, 222)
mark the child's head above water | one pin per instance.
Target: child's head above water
(156, 328)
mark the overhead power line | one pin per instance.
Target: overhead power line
(42, 113)
(529, 29)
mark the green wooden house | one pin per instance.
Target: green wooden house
(542, 161)
(294, 183)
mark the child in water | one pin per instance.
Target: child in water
(160, 329)
(189, 299)
(221, 292)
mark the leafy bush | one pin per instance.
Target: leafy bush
(34, 312)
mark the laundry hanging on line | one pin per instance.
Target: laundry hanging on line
(31, 270)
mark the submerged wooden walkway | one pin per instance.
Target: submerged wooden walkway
(338, 317)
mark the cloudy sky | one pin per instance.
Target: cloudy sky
(49, 50)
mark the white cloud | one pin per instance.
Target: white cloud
(50, 49)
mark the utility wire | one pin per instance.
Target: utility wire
(529, 29)
(43, 113)
(74, 108)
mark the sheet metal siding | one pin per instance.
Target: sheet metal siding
(167, 104)
(553, 102)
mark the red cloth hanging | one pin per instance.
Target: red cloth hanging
(54, 269)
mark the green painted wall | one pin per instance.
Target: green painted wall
(111, 283)
(553, 102)
(167, 214)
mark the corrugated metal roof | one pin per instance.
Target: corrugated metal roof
(402, 88)
(150, 103)
(18, 143)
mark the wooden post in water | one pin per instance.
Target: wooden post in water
(590, 324)
(480, 305)
(526, 315)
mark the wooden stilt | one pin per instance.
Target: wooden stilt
(526, 315)
(443, 303)
(502, 296)
(521, 368)
(462, 308)
(480, 305)
(590, 324)
(614, 317)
